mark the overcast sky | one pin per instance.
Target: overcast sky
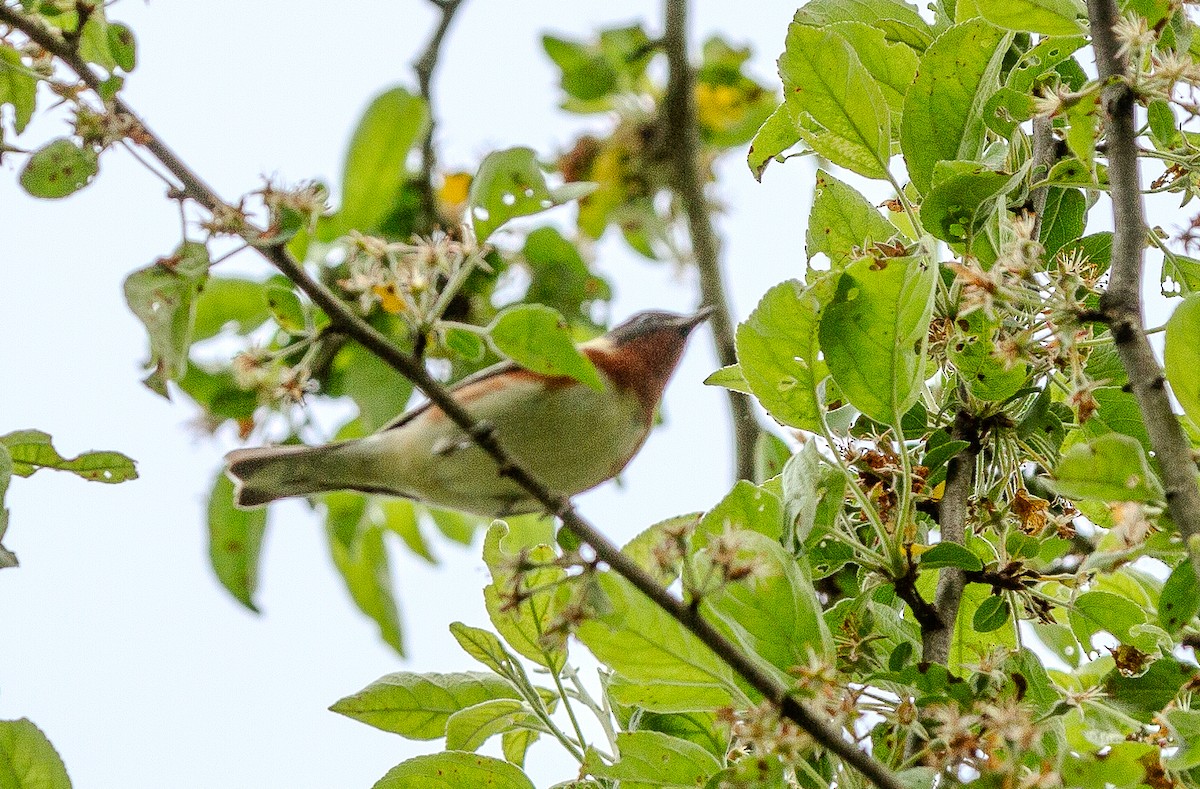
(117, 640)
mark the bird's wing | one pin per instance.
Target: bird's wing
(487, 372)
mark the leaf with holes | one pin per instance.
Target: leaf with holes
(31, 450)
(510, 184)
(842, 224)
(59, 169)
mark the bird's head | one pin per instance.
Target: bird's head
(642, 352)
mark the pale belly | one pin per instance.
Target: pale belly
(571, 439)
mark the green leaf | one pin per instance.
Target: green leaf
(1185, 730)
(824, 79)
(1095, 611)
(18, 86)
(729, 377)
(778, 354)
(510, 184)
(539, 339)
(950, 554)
(943, 110)
(963, 196)
(893, 65)
(418, 706)
(544, 595)
(1145, 696)
(559, 276)
(123, 46)
(286, 308)
(484, 646)
(1048, 17)
(640, 641)
(375, 167)
(1006, 109)
(774, 613)
(972, 350)
(643, 548)
(1041, 60)
(991, 614)
(971, 644)
(813, 493)
(59, 169)
(454, 770)
(401, 518)
(234, 542)
(31, 450)
(516, 743)
(1180, 598)
(587, 74)
(650, 758)
(1073, 172)
(470, 728)
(898, 20)
(746, 506)
(1180, 275)
(229, 300)
(28, 760)
(163, 297)
(665, 696)
(361, 557)
(7, 557)
(1111, 467)
(873, 333)
(778, 133)
(1181, 355)
(377, 389)
(1063, 219)
(842, 224)
(1123, 765)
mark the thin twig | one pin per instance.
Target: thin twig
(680, 137)
(1121, 304)
(424, 66)
(351, 324)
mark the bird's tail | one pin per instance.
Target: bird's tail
(263, 474)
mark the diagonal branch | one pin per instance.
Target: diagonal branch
(1121, 304)
(349, 323)
(680, 136)
(425, 66)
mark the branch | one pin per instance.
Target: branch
(680, 136)
(424, 66)
(352, 325)
(952, 521)
(1121, 304)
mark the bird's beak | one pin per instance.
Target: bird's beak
(689, 322)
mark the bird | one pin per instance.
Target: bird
(565, 433)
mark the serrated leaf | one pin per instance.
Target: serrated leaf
(665, 696)
(650, 758)
(234, 542)
(1042, 59)
(31, 450)
(972, 350)
(1179, 601)
(229, 300)
(1111, 467)
(1097, 610)
(824, 80)
(777, 133)
(484, 646)
(418, 706)
(729, 377)
(639, 640)
(510, 184)
(778, 354)
(813, 494)
(539, 339)
(873, 333)
(59, 169)
(375, 166)
(28, 760)
(1181, 355)
(471, 727)
(842, 224)
(962, 198)
(544, 595)
(454, 770)
(943, 110)
(643, 548)
(899, 21)
(950, 554)
(991, 614)
(1048, 17)
(746, 506)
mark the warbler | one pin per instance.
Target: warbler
(563, 432)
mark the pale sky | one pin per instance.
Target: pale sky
(118, 641)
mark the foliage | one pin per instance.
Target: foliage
(943, 353)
